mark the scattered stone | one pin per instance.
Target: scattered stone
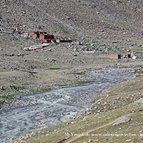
(140, 101)
(68, 18)
(50, 50)
(75, 55)
(24, 26)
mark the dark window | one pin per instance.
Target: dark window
(119, 56)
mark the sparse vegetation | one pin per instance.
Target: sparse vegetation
(130, 130)
(106, 27)
(84, 82)
(5, 98)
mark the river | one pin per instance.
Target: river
(56, 106)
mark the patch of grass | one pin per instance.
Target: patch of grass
(10, 94)
(55, 68)
(79, 73)
(84, 82)
(1, 103)
(40, 90)
(16, 88)
(5, 98)
(77, 83)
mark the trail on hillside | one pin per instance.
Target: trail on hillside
(121, 119)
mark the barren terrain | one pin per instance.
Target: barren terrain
(99, 29)
(106, 27)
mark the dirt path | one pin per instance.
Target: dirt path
(119, 120)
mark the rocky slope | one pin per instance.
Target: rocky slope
(84, 18)
(106, 26)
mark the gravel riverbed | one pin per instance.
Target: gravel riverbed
(57, 106)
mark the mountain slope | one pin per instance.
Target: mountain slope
(87, 17)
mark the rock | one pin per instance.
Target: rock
(118, 98)
(134, 57)
(68, 18)
(90, 141)
(24, 26)
(50, 50)
(23, 12)
(75, 55)
(95, 107)
(140, 101)
(129, 140)
(24, 35)
(98, 12)
(121, 120)
(2, 88)
(107, 95)
(11, 140)
(104, 107)
(113, 102)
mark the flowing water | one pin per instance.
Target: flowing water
(56, 106)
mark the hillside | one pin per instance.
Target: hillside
(100, 30)
(116, 117)
(84, 18)
(114, 25)
(104, 27)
